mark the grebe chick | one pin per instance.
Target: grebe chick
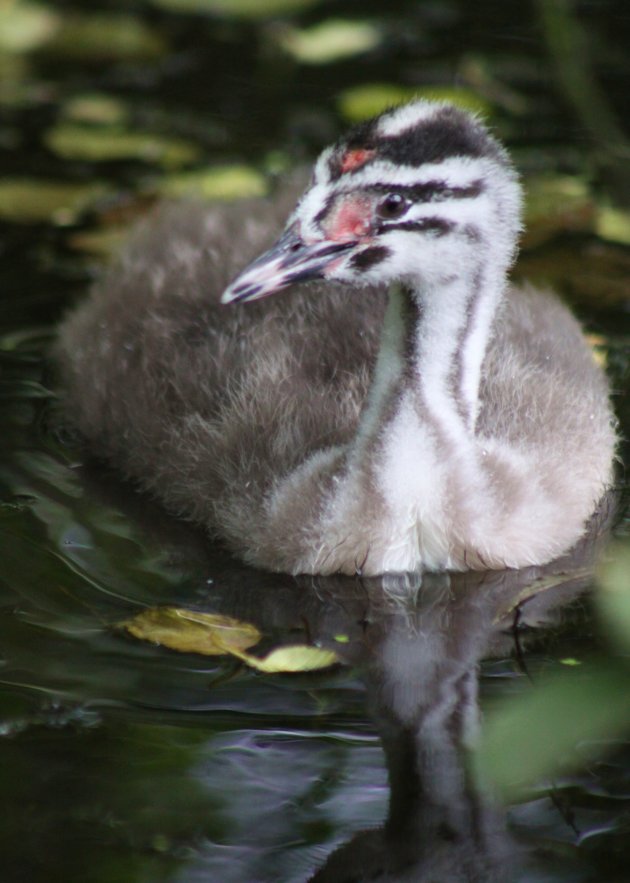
(410, 410)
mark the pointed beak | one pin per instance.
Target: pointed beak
(289, 261)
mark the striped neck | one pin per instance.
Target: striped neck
(448, 333)
(433, 344)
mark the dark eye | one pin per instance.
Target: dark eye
(393, 206)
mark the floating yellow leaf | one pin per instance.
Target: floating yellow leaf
(30, 199)
(191, 631)
(362, 102)
(225, 182)
(294, 658)
(105, 143)
(329, 41)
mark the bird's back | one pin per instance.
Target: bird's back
(201, 403)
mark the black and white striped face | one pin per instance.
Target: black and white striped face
(412, 195)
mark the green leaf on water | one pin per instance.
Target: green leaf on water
(613, 224)
(97, 36)
(613, 597)
(554, 203)
(362, 102)
(223, 182)
(96, 109)
(236, 8)
(101, 243)
(191, 631)
(329, 40)
(106, 143)
(29, 200)
(25, 26)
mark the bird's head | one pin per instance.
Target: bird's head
(413, 194)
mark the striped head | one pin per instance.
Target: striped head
(419, 194)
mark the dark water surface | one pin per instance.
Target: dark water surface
(125, 761)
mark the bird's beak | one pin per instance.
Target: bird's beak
(289, 261)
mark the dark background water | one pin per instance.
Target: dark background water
(124, 761)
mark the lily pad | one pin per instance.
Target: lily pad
(329, 41)
(224, 182)
(29, 200)
(190, 631)
(106, 143)
(236, 8)
(362, 102)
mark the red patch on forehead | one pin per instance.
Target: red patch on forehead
(354, 159)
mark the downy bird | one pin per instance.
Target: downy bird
(410, 409)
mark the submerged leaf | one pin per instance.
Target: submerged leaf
(191, 631)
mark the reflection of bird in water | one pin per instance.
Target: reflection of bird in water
(479, 436)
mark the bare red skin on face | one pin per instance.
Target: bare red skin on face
(351, 218)
(354, 159)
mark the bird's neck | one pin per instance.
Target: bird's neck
(434, 342)
(416, 436)
(448, 332)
